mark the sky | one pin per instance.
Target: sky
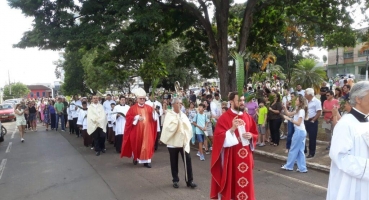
(31, 65)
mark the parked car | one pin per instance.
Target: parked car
(6, 112)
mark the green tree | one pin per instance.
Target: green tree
(73, 73)
(153, 67)
(16, 90)
(308, 75)
(131, 28)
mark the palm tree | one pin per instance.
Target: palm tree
(307, 75)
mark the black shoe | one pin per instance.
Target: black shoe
(309, 156)
(56, 129)
(135, 162)
(118, 151)
(191, 184)
(104, 150)
(148, 165)
(98, 153)
(175, 185)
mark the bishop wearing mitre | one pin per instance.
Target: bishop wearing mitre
(96, 124)
(140, 131)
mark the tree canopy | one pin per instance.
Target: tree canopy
(16, 90)
(130, 29)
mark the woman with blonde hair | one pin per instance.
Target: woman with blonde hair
(20, 120)
(296, 153)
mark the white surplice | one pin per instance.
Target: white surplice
(349, 174)
(82, 119)
(153, 105)
(120, 122)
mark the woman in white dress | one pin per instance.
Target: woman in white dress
(21, 120)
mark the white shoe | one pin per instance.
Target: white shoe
(198, 154)
(22, 140)
(284, 167)
(298, 170)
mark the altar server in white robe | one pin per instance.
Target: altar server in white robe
(120, 122)
(75, 110)
(111, 132)
(157, 106)
(349, 174)
(82, 124)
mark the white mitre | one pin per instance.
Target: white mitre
(140, 92)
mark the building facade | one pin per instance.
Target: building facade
(350, 61)
(39, 91)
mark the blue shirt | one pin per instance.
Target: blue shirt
(200, 120)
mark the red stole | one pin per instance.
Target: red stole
(139, 138)
(233, 178)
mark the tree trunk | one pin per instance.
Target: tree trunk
(147, 86)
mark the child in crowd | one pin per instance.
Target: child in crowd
(201, 122)
(262, 114)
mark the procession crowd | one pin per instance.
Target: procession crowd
(229, 130)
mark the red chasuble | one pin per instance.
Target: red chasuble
(232, 178)
(139, 138)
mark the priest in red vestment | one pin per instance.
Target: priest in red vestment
(140, 131)
(232, 161)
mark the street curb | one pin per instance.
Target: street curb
(284, 158)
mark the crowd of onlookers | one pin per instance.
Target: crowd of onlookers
(264, 101)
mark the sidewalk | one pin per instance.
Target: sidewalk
(320, 161)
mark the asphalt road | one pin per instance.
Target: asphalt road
(55, 165)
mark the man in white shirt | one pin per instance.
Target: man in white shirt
(157, 106)
(215, 107)
(299, 90)
(349, 174)
(75, 113)
(314, 111)
(285, 100)
(107, 103)
(342, 82)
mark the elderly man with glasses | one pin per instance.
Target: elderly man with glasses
(140, 131)
(314, 110)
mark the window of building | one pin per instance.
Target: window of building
(364, 53)
(348, 55)
(37, 94)
(43, 94)
(31, 94)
